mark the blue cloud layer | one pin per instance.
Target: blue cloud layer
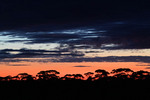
(120, 35)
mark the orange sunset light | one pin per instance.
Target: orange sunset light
(68, 68)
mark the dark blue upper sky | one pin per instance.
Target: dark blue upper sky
(26, 13)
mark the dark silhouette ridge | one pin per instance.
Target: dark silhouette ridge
(120, 83)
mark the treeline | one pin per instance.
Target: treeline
(119, 84)
(120, 73)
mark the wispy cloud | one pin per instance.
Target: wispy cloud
(31, 53)
(147, 68)
(142, 59)
(17, 64)
(145, 59)
(81, 66)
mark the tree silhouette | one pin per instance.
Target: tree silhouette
(89, 75)
(22, 75)
(122, 70)
(52, 72)
(53, 77)
(122, 73)
(15, 77)
(78, 76)
(25, 76)
(28, 78)
(7, 78)
(121, 76)
(1, 78)
(69, 76)
(100, 73)
(42, 75)
(48, 74)
(141, 75)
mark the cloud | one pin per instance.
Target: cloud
(142, 65)
(125, 34)
(147, 68)
(31, 53)
(145, 59)
(48, 38)
(131, 35)
(81, 66)
(17, 64)
(142, 59)
(4, 54)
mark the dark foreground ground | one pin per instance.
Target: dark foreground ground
(75, 90)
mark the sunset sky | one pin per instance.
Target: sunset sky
(73, 36)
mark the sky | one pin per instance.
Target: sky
(73, 36)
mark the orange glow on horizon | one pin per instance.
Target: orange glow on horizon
(67, 68)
